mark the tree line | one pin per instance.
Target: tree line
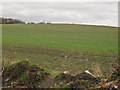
(10, 21)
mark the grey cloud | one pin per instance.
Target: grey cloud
(76, 12)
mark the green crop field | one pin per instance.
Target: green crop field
(61, 47)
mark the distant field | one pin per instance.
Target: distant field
(59, 48)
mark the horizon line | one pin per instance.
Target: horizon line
(107, 25)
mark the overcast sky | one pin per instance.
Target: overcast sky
(105, 13)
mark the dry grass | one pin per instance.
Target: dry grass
(97, 71)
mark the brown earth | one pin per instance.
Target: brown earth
(22, 75)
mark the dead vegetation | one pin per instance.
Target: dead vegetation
(113, 81)
(22, 75)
